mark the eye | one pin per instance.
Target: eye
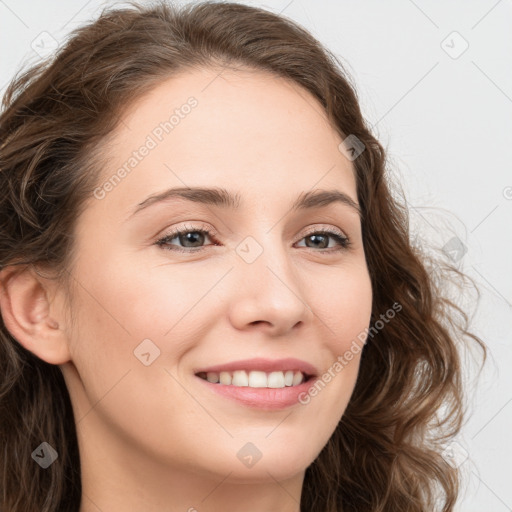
(321, 239)
(192, 239)
(186, 235)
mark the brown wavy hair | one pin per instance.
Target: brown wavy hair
(386, 452)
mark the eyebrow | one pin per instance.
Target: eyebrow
(217, 196)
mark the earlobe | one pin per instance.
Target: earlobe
(27, 314)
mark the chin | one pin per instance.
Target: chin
(264, 461)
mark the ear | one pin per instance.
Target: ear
(30, 316)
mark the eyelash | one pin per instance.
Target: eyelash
(163, 242)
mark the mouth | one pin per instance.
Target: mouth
(256, 378)
(258, 383)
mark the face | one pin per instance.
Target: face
(256, 280)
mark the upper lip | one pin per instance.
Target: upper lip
(264, 365)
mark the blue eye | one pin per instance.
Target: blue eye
(196, 237)
(192, 236)
(324, 235)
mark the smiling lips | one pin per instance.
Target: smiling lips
(255, 378)
(263, 384)
(259, 373)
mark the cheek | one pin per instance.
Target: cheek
(152, 298)
(341, 299)
(344, 304)
(115, 313)
(344, 310)
(130, 313)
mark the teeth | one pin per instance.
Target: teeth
(225, 378)
(240, 378)
(297, 379)
(288, 378)
(258, 380)
(276, 380)
(212, 377)
(255, 379)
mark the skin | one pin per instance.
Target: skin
(152, 437)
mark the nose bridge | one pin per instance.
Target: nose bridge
(270, 290)
(267, 260)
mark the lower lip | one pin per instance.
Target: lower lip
(261, 398)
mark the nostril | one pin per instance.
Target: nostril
(256, 322)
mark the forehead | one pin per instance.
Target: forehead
(224, 127)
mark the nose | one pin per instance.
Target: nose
(268, 293)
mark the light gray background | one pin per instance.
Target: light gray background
(446, 120)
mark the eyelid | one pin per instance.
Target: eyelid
(213, 232)
(200, 226)
(316, 228)
(210, 232)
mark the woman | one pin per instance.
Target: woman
(295, 356)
